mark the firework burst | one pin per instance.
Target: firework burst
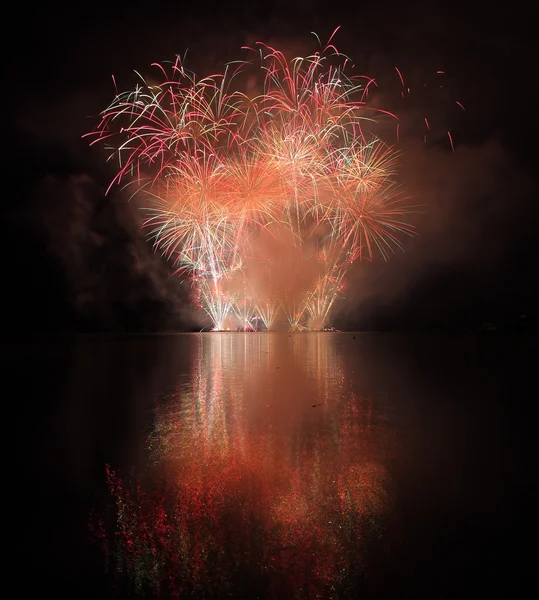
(218, 169)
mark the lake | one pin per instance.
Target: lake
(270, 465)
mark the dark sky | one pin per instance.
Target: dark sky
(76, 260)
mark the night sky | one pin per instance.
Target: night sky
(75, 260)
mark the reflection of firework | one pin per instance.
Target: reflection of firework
(239, 500)
(297, 161)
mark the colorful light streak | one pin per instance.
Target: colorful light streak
(217, 167)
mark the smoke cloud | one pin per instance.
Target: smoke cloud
(468, 223)
(113, 279)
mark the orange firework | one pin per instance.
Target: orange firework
(216, 167)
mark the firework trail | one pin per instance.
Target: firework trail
(219, 169)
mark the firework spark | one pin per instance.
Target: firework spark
(218, 168)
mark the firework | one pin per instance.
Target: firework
(219, 169)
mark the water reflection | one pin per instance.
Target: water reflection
(266, 474)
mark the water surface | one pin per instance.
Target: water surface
(222, 465)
